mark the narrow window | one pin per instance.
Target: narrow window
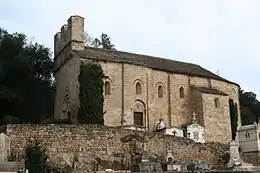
(217, 103)
(69, 116)
(181, 92)
(107, 88)
(138, 88)
(247, 135)
(160, 91)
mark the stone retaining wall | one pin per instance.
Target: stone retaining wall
(100, 147)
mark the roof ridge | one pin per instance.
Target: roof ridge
(139, 54)
(155, 62)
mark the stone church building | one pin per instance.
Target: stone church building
(141, 89)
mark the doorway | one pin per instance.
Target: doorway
(138, 118)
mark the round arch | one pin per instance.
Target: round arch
(139, 113)
(66, 106)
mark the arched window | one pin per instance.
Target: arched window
(107, 88)
(217, 104)
(138, 88)
(160, 91)
(181, 92)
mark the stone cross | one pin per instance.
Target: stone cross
(174, 133)
(4, 147)
(194, 117)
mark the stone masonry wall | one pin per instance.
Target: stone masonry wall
(109, 146)
(216, 130)
(174, 110)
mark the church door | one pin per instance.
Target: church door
(138, 118)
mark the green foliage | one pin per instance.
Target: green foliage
(91, 94)
(104, 42)
(233, 118)
(250, 107)
(36, 160)
(191, 167)
(26, 90)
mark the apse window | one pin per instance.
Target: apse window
(217, 104)
(138, 88)
(107, 88)
(160, 91)
(181, 92)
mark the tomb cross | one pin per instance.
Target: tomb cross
(194, 117)
(174, 133)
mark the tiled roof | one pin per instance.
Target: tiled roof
(209, 90)
(190, 123)
(156, 63)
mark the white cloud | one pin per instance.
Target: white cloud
(218, 34)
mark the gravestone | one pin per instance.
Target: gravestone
(4, 147)
(236, 162)
(234, 157)
(169, 156)
(146, 165)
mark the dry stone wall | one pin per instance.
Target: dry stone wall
(99, 147)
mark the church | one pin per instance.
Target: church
(141, 89)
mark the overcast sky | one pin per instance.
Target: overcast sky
(220, 35)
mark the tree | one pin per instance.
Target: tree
(233, 117)
(26, 90)
(91, 94)
(250, 107)
(104, 42)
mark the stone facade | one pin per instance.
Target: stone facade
(177, 98)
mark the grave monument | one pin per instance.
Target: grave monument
(5, 165)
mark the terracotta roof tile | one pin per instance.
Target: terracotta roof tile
(209, 90)
(156, 63)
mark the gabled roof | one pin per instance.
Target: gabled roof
(190, 123)
(249, 127)
(209, 90)
(156, 63)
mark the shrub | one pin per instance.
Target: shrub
(36, 160)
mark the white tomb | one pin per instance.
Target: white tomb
(175, 131)
(4, 147)
(194, 130)
(6, 166)
(249, 137)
